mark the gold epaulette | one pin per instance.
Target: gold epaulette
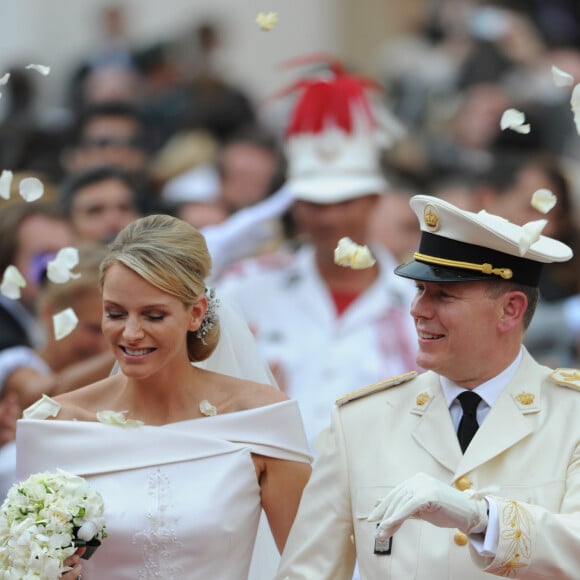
(375, 388)
(567, 378)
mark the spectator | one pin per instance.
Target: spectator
(31, 232)
(99, 202)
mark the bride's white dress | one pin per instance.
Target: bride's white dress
(182, 500)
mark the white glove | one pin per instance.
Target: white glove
(429, 499)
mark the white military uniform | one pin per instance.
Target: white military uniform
(526, 455)
(321, 354)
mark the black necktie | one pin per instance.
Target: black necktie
(468, 424)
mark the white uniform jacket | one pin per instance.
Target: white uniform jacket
(526, 454)
(320, 354)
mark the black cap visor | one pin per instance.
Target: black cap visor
(429, 273)
(470, 259)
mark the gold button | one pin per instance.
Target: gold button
(463, 483)
(460, 538)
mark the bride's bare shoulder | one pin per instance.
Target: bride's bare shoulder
(82, 404)
(244, 394)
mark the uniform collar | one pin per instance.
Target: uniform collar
(488, 391)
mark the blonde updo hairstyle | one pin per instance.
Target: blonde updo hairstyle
(171, 255)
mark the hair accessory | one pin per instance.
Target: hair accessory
(211, 316)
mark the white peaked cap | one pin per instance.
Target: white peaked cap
(459, 245)
(334, 139)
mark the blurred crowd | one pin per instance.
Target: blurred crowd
(162, 128)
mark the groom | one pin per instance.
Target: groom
(472, 467)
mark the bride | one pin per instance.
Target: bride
(186, 458)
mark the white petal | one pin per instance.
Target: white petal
(524, 129)
(561, 78)
(351, 255)
(31, 189)
(12, 281)
(543, 200)
(59, 269)
(64, 323)
(575, 104)
(207, 409)
(344, 251)
(5, 183)
(4, 79)
(117, 418)
(575, 98)
(514, 120)
(43, 408)
(530, 234)
(41, 68)
(267, 21)
(362, 259)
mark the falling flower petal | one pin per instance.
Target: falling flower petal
(59, 269)
(543, 200)
(561, 78)
(5, 184)
(207, 409)
(41, 68)
(64, 323)
(575, 103)
(12, 281)
(31, 189)
(4, 79)
(267, 20)
(117, 418)
(43, 408)
(351, 255)
(514, 120)
(531, 234)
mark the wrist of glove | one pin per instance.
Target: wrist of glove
(424, 497)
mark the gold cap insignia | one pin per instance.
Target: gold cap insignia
(525, 398)
(422, 399)
(431, 217)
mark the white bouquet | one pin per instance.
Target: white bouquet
(43, 521)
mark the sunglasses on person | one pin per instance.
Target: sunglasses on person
(134, 142)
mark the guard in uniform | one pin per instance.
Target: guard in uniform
(324, 328)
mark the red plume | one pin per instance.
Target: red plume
(327, 100)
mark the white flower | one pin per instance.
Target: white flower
(5, 183)
(530, 234)
(88, 531)
(43, 408)
(38, 521)
(40, 68)
(64, 322)
(4, 79)
(31, 189)
(58, 270)
(12, 281)
(514, 120)
(207, 409)
(267, 21)
(561, 78)
(575, 104)
(543, 200)
(117, 418)
(351, 255)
